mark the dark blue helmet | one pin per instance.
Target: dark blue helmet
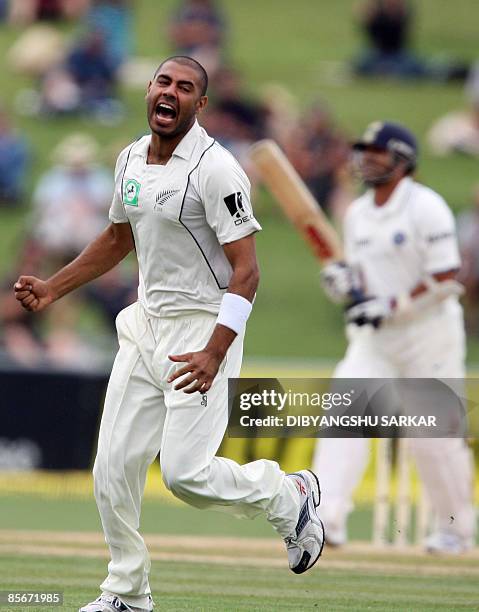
(390, 137)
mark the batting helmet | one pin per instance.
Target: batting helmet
(390, 137)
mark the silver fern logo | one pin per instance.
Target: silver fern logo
(163, 196)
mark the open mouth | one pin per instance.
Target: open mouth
(165, 111)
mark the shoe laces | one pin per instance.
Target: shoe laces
(112, 600)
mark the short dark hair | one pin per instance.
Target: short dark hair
(185, 60)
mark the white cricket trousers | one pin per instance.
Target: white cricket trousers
(433, 346)
(143, 415)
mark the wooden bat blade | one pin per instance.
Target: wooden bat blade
(295, 199)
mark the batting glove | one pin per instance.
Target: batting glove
(372, 311)
(339, 281)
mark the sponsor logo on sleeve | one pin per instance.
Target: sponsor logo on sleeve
(362, 242)
(441, 236)
(234, 203)
(131, 191)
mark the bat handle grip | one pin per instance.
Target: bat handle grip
(357, 296)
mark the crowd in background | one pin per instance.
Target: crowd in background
(83, 75)
(387, 26)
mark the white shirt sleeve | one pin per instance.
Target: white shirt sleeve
(348, 235)
(436, 231)
(224, 189)
(117, 212)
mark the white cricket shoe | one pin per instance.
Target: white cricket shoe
(446, 543)
(305, 545)
(112, 603)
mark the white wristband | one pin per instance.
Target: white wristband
(234, 312)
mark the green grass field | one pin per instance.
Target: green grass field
(210, 561)
(345, 581)
(50, 538)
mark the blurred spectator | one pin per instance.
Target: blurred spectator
(387, 24)
(320, 154)
(458, 131)
(71, 200)
(113, 19)
(49, 339)
(281, 112)
(468, 236)
(235, 121)
(86, 82)
(111, 293)
(36, 50)
(20, 334)
(3, 9)
(13, 163)
(92, 69)
(59, 94)
(197, 29)
(71, 205)
(29, 11)
(82, 78)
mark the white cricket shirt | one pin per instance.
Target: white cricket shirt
(399, 244)
(181, 214)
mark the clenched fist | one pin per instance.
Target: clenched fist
(33, 293)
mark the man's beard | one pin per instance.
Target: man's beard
(379, 179)
(181, 128)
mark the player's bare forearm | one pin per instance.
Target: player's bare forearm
(220, 341)
(100, 256)
(244, 281)
(242, 256)
(439, 277)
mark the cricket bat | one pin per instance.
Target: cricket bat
(296, 201)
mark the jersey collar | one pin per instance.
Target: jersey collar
(397, 199)
(184, 148)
